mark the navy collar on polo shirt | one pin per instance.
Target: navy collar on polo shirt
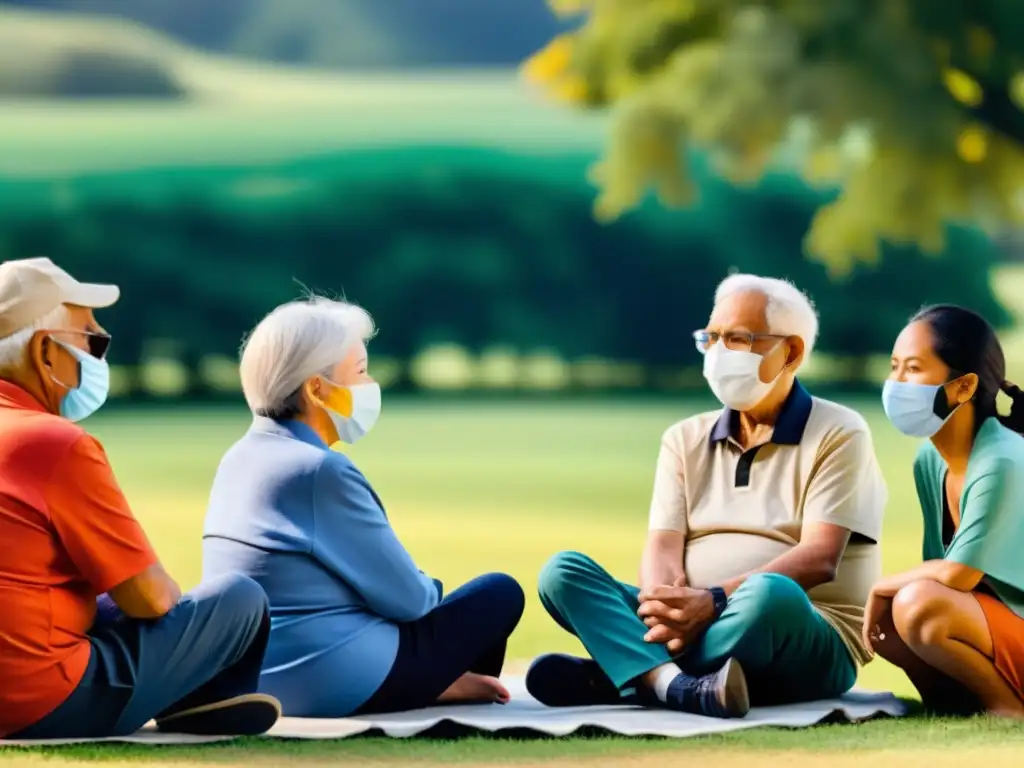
(789, 427)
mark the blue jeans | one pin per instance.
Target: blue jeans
(467, 632)
(208, 648)
(788, 651)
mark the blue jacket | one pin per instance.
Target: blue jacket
(302, 521)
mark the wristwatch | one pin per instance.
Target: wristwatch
(720, 599)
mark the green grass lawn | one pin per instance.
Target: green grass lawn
(475, 488)
(481, 487)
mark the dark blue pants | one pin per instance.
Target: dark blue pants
(208, 648)
(467, 632)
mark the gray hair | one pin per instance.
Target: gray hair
(297, 340)
(789, 311)
(14, 347)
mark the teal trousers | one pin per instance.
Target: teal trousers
(788, 651)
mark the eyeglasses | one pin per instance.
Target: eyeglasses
(738, 341)
(98, 343)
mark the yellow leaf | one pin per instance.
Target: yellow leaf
(551, 62)
(571, 90)
(1017, 90)
(962, 87)
(972, 145)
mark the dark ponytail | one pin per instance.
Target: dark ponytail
(966, 343)
(1015, 418)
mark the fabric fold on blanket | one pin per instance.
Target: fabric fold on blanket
(525, 715)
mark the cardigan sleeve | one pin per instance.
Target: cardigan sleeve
(353, 538)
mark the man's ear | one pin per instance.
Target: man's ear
(796, 351)
(40, 348)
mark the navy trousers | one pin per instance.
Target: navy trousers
(467, 632)
(208, 648)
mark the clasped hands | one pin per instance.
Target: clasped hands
(676, 615)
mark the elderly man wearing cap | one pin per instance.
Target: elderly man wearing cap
(69, 542)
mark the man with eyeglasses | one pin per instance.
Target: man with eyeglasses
(762, 545)
(96, 638)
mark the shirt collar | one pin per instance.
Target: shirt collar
(14, 396)
(289, 428)
(789, 427)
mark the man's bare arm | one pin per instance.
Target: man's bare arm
(149, 595)
(810, 563)
(662, 561)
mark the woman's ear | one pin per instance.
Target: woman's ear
(966, 386)
(313, 389)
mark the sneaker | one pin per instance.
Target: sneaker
(722, 694)
(251, 714)
(558, 680)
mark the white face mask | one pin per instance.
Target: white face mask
(733, 377)
(365, 412)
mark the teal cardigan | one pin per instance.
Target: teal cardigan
(990, 538)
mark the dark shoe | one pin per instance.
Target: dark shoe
(248, 715)
(559, 680)
(722, 694)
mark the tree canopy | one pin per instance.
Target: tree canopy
(933, 88)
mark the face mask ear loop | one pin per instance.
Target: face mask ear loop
(941, 406)
(78, 367)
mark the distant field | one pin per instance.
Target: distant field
(476, 488)
(471, 110)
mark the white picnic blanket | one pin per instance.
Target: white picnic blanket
(525, 715)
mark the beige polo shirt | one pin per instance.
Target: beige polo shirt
(738, 510)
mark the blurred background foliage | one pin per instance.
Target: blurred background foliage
(218, 160)
(488, 251)
(913, 106)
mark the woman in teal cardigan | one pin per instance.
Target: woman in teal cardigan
(955, 623)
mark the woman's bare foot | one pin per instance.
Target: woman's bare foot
(477, 689)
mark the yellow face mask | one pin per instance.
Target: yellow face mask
(353, 410)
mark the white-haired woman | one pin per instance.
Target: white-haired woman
(357, 628)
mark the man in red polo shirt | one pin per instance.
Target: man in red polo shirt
(69, 542)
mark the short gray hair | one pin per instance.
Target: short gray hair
(297, 340)
(789, 311)
(14, 347)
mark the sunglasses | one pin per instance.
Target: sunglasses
(98, 343)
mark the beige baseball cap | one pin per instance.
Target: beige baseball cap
(31, 288)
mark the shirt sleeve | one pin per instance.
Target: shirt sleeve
(847, 488)
(353, 538)
(668, 502)
(927, 482)
(991, 525)
(93, 521)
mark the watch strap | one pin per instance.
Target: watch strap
(721, 600)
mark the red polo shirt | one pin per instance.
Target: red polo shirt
(66, 536)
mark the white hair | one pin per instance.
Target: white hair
(297, 340)
(14, 347)
(789, 311)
